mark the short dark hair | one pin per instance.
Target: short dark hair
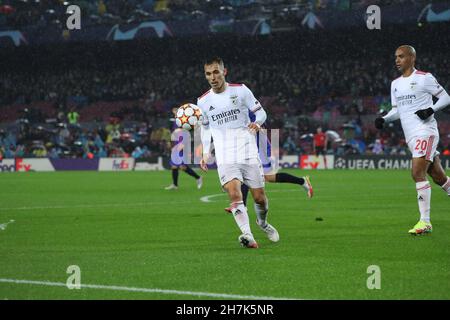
(212, 60)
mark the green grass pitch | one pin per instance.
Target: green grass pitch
(124, 229)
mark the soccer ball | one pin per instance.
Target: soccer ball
(188, 115)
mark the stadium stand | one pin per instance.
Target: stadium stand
(124, 91)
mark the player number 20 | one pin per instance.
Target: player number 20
(421, 144)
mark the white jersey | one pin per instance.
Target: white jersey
(413, 93)
(227, 115)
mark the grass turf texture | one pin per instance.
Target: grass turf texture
(123, 229)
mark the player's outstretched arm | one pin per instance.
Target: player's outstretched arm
(260, 118)
(391, 116)
(424, 113)
(441, 103)
(254, 127)
(204, 162)
(431, 86)
(206, 146)
(256, 108)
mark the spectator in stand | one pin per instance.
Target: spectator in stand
(320, 143)
(72, 117)
(377, 147)
(289, 146)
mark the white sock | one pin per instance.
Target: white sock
(424, 199)
(240, 215)
(446, 186)
(261, 213)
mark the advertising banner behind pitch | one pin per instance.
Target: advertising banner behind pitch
(7, 165)
(116, 164)
(75, 164)
(316, 162)
(32, 164)
(379, 162)
(26, 165)
(149, 164)
(286, 162)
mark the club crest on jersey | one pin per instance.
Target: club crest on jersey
(234, 100)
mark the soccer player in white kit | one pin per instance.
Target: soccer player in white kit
(412, 103)
(225, 117)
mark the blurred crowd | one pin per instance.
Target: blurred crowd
(20, 13)
(339, 81)
(53, 12)
(303, 85)
(67, 138)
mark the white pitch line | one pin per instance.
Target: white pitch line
(206, 199)
(84, 206)
(4, 225)
(109, 205)
(147, 290)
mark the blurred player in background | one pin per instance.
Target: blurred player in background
(225, 118)
(412, 103)
(320, 142)
(177, 135)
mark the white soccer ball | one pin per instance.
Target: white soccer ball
(188, 116)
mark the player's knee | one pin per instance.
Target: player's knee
(420, 168)
(260, 199)
(418, 175)
(235, 195)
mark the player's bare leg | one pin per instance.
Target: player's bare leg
(174, 185)
(439, 176)
(240, 214)
(419, 174)
(261, 209)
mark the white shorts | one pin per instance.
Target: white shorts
(424, 146)
(250, 174)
